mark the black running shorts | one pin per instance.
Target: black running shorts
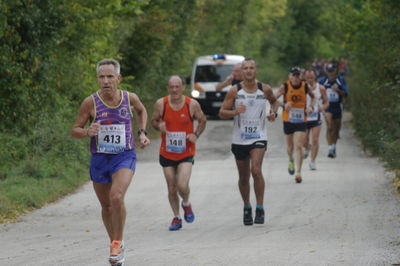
(242, 152)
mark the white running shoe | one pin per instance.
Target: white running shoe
(117, 253)
(313, 165)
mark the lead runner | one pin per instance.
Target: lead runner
(113, 162)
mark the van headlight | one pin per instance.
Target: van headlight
(195, 93)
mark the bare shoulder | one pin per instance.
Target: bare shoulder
(194, 103)
(133, 97)
(158, 105)
(266, 87)
(88, 102)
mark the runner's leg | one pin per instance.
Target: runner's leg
(184, 171)
(257, 156)
(244, 180)
(120, 183)
(315, 132)
(103, 194)
(298, 140)
(170, 177)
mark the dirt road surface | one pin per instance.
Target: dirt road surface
(344, 213)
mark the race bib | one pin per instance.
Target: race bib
(312, 116)
(250, 129)
(175, 142)
(333, 96)
(111, 139)
(296, 115)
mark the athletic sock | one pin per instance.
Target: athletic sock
(260, 207)
(247, 206)
(186, 203)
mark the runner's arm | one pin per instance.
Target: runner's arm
(226, 111)
(278, 94)
(325, 101)
(313, 99)
(224, 83)
(78, 131)
(199, 116)
(140, 110)
(156, 120)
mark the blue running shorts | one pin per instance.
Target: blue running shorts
(103, 166)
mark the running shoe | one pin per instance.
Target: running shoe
(306, 152)
(259, 219)
(291, 167)
(330, 153)
(117, 253)
(334, 152)
(298, 178)
(247, 216)
(188, 213)
(176, 224)
(313, 166)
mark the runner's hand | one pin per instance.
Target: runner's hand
(271, 117)
(144, 141)
(162, 127)
(94, 129)
(191, 137)
(240, 109)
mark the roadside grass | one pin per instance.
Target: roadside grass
(21, 193)
(376, 112)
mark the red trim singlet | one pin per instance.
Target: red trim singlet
(179, 124)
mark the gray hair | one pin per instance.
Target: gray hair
(109, 61)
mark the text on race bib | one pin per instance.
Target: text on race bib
(111, 138)
(296, 115)
(175, 142)
(249, 129)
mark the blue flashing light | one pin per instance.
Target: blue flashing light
(218, 57)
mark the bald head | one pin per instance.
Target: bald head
(175, 79)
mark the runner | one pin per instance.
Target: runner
(336, 89)
(246, 103)
(233, 79)
(314, 120)
(294, 118)
(173, 116)
(113, 161)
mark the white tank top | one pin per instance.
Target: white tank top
(249, 127)
(314, 116)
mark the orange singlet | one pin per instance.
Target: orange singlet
(298, 97)
(179, 123)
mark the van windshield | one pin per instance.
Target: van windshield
(212, 73)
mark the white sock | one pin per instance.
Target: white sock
(186, 203)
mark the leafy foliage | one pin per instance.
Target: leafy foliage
(49, 50)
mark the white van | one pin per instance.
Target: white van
(207, 72)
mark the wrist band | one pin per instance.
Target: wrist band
(140, 131)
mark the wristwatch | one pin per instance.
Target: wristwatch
(140, 131)
(196, 134)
